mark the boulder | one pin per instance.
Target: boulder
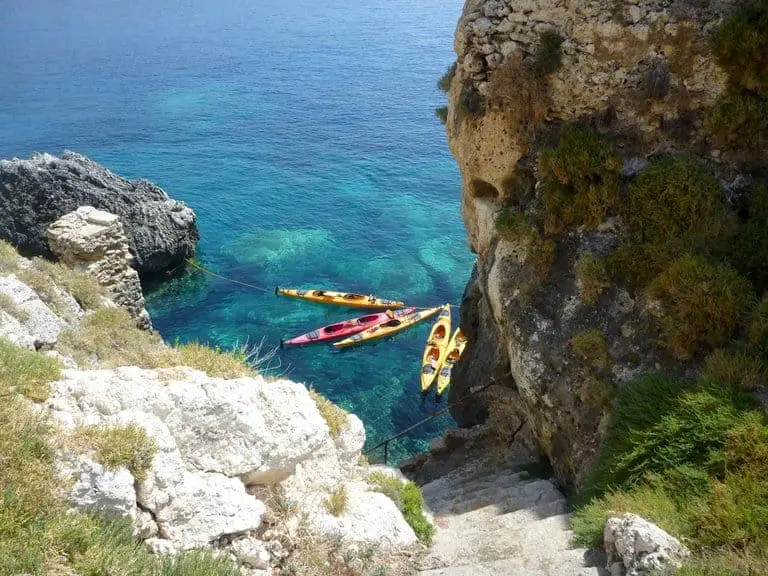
(34, 193)
(96, 489)
(251, 552)
(94, 242)
(640, 548)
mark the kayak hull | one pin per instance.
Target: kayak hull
(436, 349)
(345, 328)
(348, 299)
(455, 350)
(388, 328)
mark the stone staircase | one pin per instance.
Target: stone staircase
(497, 519)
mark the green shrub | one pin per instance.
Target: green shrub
(441, 112)
(335, 417)
(25, 372)
(580, 181)
(515, 226)
(702, 305)
(757, 337)
(735, 367)
(739, 46)
(591, 349)
(675, 206)
(9, 258)
(408, 498)
(446, 79)
(592, 277)
(549, 55)
(471, 102)
(649, 501)
(751, 560)
(109, 338)
(748, 251)
(336, 503)
(739, 123)
(214, 361)
(125, 445)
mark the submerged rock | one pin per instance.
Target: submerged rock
(34, 193)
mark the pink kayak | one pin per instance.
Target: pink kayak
(345, 328)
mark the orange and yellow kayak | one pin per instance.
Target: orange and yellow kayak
(388, 328)
(455, 350)
(436, 349)
(340, 298)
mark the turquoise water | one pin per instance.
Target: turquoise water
(301, 132)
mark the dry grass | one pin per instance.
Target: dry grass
(126, 446)
(25, 372)
(737, 367)
(9, 258)
(10, 307)
(214, 361)
(109, 338)
(591, 348)
(83, 288)
(335, 417)
(336, 502)
(592, 277)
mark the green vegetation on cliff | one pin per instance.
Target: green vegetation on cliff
(408, 498)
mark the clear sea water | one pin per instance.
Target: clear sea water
(302, 133)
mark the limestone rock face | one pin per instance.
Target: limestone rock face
(94, 242)
(643, 72)
(218, 443)
(97, 489)
(636, 547)
(34, 193)
(37, 326)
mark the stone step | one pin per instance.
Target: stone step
(571, 564)
(548, 538)
(478, 469)
(509, 498)
(456, 491)
(492, 518)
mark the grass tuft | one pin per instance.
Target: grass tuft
(9, 258)
(739, 46)
(702, 305)
(10, 307)
(26, 372)
(515, 226)
(408, 498)
(336, 503)
(579, 181)
(471, 102)
(737, 368)
(335, 417)
(549, 55)
(591, 349)
(739, 123)
(214, 361)
(82, 287)
(125, 445)
(592, 277)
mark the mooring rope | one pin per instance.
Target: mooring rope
(265, 290)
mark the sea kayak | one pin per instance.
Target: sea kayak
(341, 298)
(388, 328)
(455, 350)
(436, 349)
(345, 328)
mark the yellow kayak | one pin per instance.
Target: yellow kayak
(388, 328)
(340, 298)
(436, 348)
(455, 350)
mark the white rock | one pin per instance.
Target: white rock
(251, 552)
(160, 546)
(494, 60)
(14, 331)
(369, 517)
(97, 489)
(643, 548)
(40, 323)
(144, 526)
(351, 440)
(481, 26)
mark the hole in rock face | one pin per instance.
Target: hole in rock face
(482, 189)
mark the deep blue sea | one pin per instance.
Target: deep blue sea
(301, 132)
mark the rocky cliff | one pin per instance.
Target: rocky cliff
(34, 193)
(555, 111)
